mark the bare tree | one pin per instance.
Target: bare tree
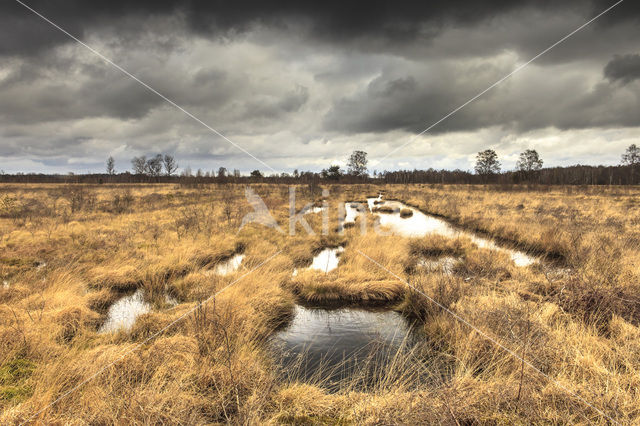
(111, 166)
(139, 165)
(187, 172)
(153, 166)
(170, 165)
(357, 165)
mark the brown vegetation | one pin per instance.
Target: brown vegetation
(69, 252)
(385, 209)
(406, 213)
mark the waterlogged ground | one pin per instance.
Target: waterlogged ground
(123, 313)
(266, 350)
(325, 260)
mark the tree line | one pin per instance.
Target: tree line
(163, 168)
(529, 169)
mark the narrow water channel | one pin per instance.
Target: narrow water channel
(420, 224)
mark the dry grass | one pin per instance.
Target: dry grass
(70, 252)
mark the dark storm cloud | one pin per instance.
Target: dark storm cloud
(624, 68)
(330, 20)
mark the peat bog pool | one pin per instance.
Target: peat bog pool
(338, 345)
(333, 347)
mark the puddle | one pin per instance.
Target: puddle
(325, 261)
(355, 209)
(228, 266)
(352, 211)
(328, 345)
(420, 224)
(371, 202)
(314, 210)
(123, 313)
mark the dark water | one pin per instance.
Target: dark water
(333, 347)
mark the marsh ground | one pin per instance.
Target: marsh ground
(70, 252)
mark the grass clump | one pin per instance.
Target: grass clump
(385, 209)
(437, 246)
(406, 213)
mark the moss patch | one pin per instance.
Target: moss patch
(13, 376)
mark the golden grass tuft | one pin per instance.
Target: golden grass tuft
(314, 289)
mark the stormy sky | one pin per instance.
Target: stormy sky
(302, 84)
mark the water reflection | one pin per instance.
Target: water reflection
(420, 224)
(330, 345)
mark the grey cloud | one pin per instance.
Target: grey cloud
(390, 103)
(294, 100)
(624, 68)
(334, 21)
